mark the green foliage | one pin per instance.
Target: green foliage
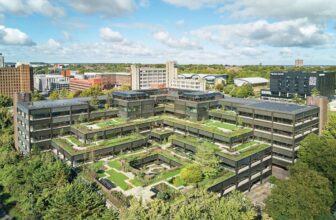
(229, 88)
(62, 94)
(305, 195)
(219, 87)
(210, 162)
(197, 204)
(296, 99)
(163, 195)
(94, 102)
(77, 200)
(93, 91)
(191, 173)
(6, 118)
(243, 91)
(315, 92)
(319, 154)
(36, 96)
(5, 101)
(330, 128)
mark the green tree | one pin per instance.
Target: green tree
(36, 96)
(229, 88)
(77, 200)
(93, 91)
(5, 101)
(330, 128)
(315, 92)
(54, 95)
(191, 173)
(209, 161)
(319, 154)
(94, 102)
(305, 195)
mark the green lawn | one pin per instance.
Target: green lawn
(74, 140)
(118, 179)
(241, 147)
(111, 122)
(115, 164)
(219, 124)
(177, 181)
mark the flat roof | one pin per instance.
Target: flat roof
(199, 94)
(271, 106)
(59, 103)
(130, 93)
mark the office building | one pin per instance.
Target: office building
(46, 83)
(298, 63)
(280, 125)
(106, 80)
(16, 79)
(285, 85)
(2, 61)
(156, 78)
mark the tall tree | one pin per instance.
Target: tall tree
(305, 195)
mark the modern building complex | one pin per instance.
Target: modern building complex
(281, 125)
(103, 80)
(285, 85)
(258, 83)
(247, 136)
(16, 79)
(46, 83)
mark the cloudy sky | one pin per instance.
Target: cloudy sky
(153, 31)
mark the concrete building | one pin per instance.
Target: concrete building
(322, 103)
(49, 82)
(2, 61)
(281, 125)
(106, 80)
(284, 85)
(16, 79)
(156, 78)
(298, 63)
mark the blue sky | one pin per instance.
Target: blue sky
(154, 31)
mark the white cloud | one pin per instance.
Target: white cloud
(26, 7)
(286, 52)
(112, 36)
(110, 8)
(66, 35)
(194, 4)
(180, 43)
(291, 33)
(12, 36)
(180, 23)
(282, 9)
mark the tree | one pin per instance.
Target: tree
(54, 95)
(62, 132)
(229, 88)
(197, 204)
(208, 159)
(296, 99)
(94, 102)
(319, 154)
(93, 91)
(5, 101)
(243, 91)
(305, 195)
(330, 128)
(81, 118)
(191, 173)
(36, 96)
(315, 92)
(77, 200)
(219, 87)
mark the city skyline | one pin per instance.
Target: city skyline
(147, 31)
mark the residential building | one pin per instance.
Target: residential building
(16, 79)
(83, 84)
(285, 85)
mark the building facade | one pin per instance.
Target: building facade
(285, 85)
(158, 78)
(49, 82)
(16, 79)
(2, 61)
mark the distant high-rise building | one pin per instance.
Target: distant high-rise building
(16, 79)
(2, 60)
(298, 63)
